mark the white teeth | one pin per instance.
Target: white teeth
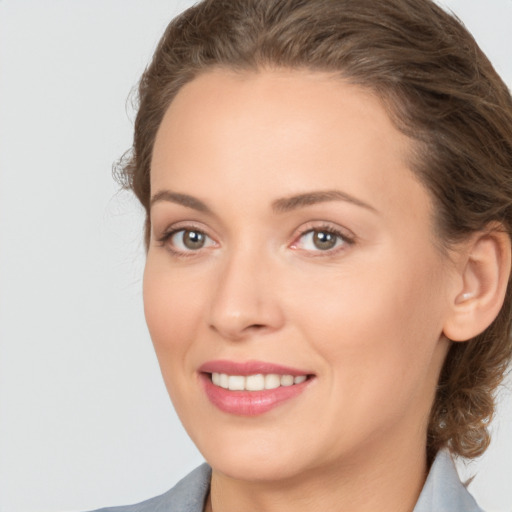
(257, 382)
(236, 383)
(286, 380)
(272, 381)
(223, 381)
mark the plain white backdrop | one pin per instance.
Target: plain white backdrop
(84, 417)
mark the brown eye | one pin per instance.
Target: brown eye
(193, 239)
(323, 240)
(187, 240)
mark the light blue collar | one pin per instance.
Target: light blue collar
(443, 491)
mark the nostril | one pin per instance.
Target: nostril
(255, 327)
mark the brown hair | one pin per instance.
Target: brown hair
(439, 89)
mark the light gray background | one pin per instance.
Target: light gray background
(84, 417)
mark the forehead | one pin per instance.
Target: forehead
(278, 101)
(282, 132)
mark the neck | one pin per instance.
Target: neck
(389, 481)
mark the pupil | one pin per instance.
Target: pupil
(324, 240)
(193, 239)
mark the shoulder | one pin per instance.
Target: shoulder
(443, 491)
(187, 495)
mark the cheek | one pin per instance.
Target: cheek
(171, 308)
(377, 326)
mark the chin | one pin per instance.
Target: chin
(260, 459)
(254, 469)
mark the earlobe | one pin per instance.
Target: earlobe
(484, 272)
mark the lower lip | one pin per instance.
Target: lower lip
(250, 403)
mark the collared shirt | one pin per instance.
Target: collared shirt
(442, 492)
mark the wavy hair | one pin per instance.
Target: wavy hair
(439, 89)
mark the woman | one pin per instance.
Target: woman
(328, 198)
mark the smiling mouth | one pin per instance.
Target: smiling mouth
(256, 382)
(252, 388)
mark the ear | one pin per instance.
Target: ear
(484, 271)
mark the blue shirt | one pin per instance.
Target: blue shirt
(442, 492)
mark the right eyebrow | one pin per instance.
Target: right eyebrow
(287, 204)
(182, 199)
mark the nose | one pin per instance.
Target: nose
(245, 302)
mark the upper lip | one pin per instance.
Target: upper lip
(249, 368)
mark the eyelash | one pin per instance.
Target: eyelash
(163, 241)
(345, 238)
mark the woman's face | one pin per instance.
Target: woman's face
(291, 241)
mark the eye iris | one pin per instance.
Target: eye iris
(193, 239)
(324, 240)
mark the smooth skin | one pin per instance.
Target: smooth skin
(351, 285)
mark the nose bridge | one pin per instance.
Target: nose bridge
(244, 301)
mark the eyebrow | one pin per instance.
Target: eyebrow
(183, 199)
(283, 205)
(310, 198)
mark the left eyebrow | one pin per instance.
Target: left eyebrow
(287, 204)
(183, 199)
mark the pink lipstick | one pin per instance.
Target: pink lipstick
(253, 387)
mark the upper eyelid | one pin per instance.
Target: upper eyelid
(325, 226)
(338, 235)
(165, 238)
(174, 232)
(313, 225)
(184, 225)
